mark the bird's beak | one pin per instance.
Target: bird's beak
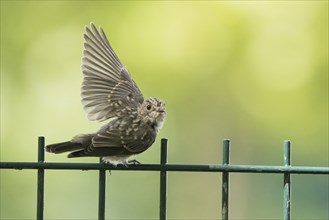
(161, 110)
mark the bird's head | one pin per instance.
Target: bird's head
(153, 112)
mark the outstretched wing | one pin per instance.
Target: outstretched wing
(107, 86)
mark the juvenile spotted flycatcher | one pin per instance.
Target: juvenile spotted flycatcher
(109, 92)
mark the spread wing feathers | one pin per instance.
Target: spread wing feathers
(107, 85)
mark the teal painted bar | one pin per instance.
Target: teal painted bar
(101, 193)
(41, 179)
(168, 167)
(163, 180)
(286, 182)
(225, 179)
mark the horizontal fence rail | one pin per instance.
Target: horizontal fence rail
(225, 168)
(168, 167)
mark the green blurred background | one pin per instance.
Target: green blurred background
(253, 72)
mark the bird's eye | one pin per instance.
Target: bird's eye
(148, 107)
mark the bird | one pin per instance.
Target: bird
(108, 92)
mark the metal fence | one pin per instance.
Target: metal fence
(225, 168)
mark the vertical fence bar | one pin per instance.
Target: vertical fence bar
(225, 179)
(286, 182)
(163, 180)
(41, 179)
(101, 193)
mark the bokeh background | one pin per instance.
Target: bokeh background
(254, 72)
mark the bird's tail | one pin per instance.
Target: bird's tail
(64, 147)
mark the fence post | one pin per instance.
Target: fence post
(101, 193)
(163, 180)
(286, 182)
(41, 179)
(225, 179)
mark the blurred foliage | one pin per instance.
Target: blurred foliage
(252, 71)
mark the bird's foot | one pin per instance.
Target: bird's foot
(132, 162)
